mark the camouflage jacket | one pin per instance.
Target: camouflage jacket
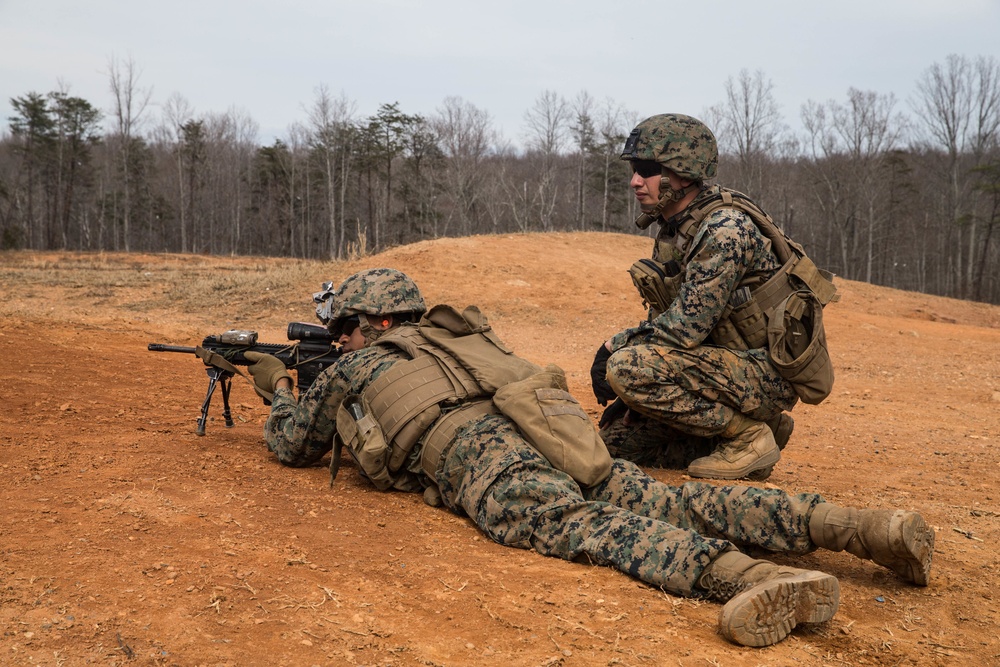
(727, 249)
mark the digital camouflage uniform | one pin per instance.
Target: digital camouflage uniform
(665, 369)
(661, 534)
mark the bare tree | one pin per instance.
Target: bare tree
(297, 139)
(129, 103)
(546, 133)
(584, 133)
(986, 106)
(230, 141)
(615, 124)
(177, 112)
(958, 104)
(498, 205)
(466, 136)
(546, 123)
(328, 118)
(749, 123)
(869, 130)
(851, 147)
(246, 133)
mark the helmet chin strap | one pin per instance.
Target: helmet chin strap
(667, 196)
(373, 333)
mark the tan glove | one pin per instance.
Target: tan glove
(266, 370)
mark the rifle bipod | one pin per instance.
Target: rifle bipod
(223, 378)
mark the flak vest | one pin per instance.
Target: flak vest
(459, 371)
(783, 314)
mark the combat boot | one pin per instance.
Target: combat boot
(899, 540)
(746, 449)
(764, 601)
(782, 427)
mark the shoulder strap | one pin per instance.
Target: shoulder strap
(791, 255)
(732, 199)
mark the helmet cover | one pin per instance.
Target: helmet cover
(680, 143)
(376, 292)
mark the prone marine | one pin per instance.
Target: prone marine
(432, 401)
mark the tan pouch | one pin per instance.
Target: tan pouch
(554, 423)
(725, 334)
(363, 436)
(655, 284)
(797, 346)
(749, 320)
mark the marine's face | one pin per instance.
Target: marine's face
(351, 338)
(645, 183)
(649, 187)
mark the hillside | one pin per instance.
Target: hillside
(127, 539)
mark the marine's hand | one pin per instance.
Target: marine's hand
(613, 412)
(598, 376)
(266, 370)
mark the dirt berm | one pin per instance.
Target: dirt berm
(125, 539)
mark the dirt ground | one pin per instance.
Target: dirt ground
(127, 539)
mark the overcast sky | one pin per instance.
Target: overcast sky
(267, 58)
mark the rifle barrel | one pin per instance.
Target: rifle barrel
(160, 347)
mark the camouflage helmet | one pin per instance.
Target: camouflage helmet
(680, 143)
(376, 292)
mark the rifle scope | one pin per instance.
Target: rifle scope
(307, 331)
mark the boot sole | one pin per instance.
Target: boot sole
(914, 549)
(760, 475)
(767, 613)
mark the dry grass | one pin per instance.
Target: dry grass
(126, 286)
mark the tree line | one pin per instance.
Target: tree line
(902, 195)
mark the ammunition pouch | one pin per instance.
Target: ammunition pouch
(360, 432)
(749, 320)
(554, 423)
(658, 283)
(404, 401)
(381, 426)
(785, 314)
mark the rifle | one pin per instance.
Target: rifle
(310, 352)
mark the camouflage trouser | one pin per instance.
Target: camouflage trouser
(664, 535)
(697, 391)
(653, 444)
